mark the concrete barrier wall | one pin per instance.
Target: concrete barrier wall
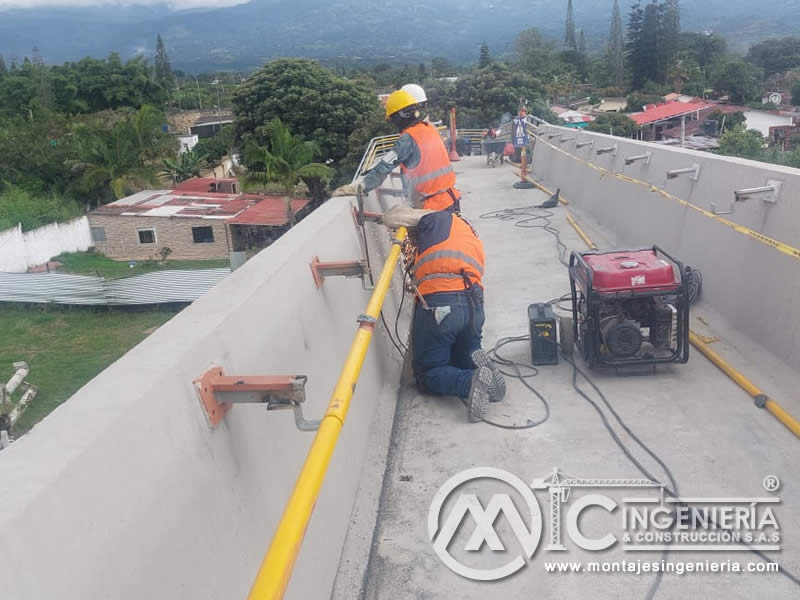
(125, 492)
(19, 250)
(751, 284)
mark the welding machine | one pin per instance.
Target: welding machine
(542, 324)
(629, 307)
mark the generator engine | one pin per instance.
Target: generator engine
(629, 307)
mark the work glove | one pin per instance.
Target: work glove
(345, 190)
(403, 216)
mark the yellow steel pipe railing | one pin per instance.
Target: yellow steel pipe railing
(273, 576)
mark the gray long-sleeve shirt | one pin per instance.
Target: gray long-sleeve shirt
(405, 151)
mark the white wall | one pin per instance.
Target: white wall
(19, 250)
(187, 142)
(125, 492)
(761, 120)
(751, 284)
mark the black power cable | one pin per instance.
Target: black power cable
(397, 344)
(537, 217)
(532, 217)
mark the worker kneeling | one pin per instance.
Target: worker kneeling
(428, 176)
(448, 314)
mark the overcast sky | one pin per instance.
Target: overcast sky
(173, 3)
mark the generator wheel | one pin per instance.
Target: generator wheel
(566, 335)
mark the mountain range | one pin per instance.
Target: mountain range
(243, 36)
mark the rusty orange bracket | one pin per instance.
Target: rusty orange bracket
(364, 216)
(353, 268)
(218, 392)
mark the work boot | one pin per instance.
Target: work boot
(478, 398)
(497, 388)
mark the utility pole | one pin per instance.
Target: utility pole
(199, 99)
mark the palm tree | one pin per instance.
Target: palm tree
(287, 161)
(110, 160)
(185, 166)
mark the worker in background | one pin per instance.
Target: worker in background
(428, 177)
(448, 315)
(519, 133)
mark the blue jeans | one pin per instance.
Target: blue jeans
(443, 351)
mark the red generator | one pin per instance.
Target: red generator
(629, 307)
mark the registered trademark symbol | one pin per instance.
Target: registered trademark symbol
(771, 483)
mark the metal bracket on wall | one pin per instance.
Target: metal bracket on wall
(584, 144)
(567, 138)
(218, 392)
(693, 172)
(609, 150)
(354, 268)
(364, 216)
(551, 136)
(629, 160)
(768, 193)
(391, 192)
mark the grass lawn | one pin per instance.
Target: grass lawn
(66, 347)
(90, 263)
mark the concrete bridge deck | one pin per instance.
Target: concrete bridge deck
(704, 427)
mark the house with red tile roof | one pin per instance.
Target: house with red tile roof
(191, 221)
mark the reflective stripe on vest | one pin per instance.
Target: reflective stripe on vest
(415, 181)
(434, 174)
(449, 254)
(443, 267)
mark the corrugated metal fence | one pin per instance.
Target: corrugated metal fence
(158, 287)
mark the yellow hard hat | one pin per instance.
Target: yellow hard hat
(397, 101)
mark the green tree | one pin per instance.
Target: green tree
(582, 43)
(634, 46)
(683, 71)
(651, 49)
(727, 121)
(669, 35)
(615, 124)
(287, 161)
(746, 143)
(562, 86)
(163, 70)
(185, 166)
(315, 103)
(3, 69)
(485, 59)
(109, 166)
(482, 96)
(441, 67)
(19, 206)
(219, 145)
(776, 55)
(615, 51)
(638, 100)
(535, 54)
(796, 93)
(113, 162)
(738, 79)
(422, 72)
(705, 49)
(570, 38)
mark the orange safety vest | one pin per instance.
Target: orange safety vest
(443, 266)
(432, 180)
